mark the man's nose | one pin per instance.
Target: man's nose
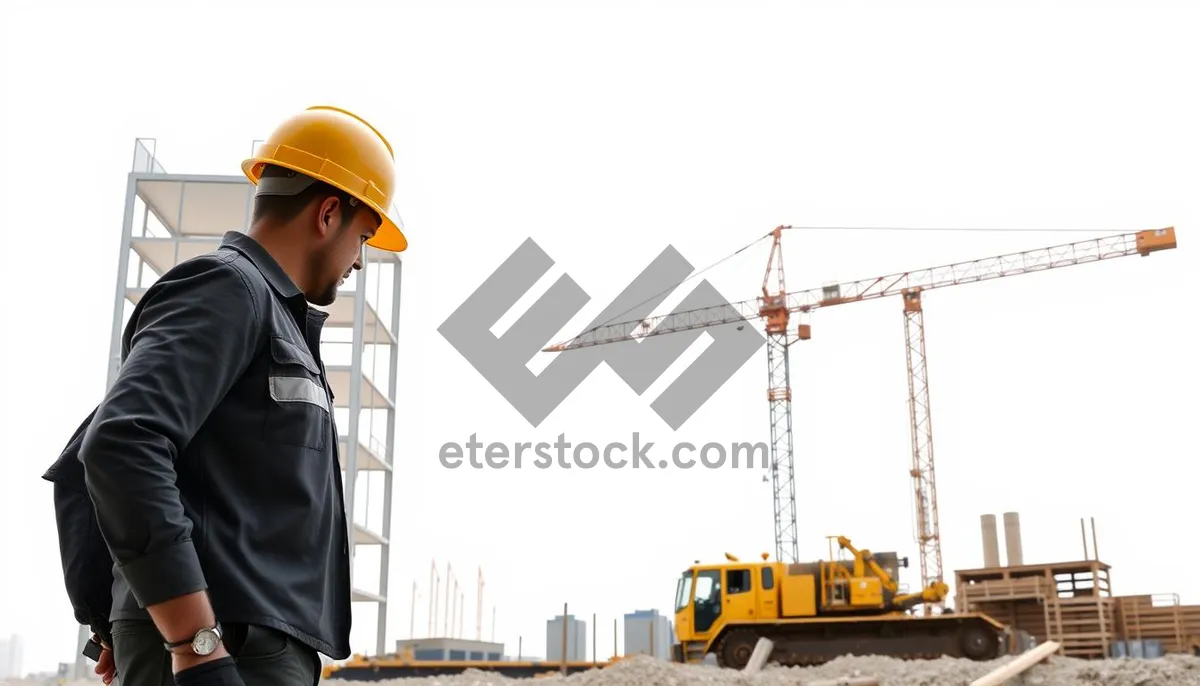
(358, 261)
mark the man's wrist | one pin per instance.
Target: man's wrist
(202, 642)
(101, 641)
(102, 630)
(179, 619)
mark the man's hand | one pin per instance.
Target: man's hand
(105, 667)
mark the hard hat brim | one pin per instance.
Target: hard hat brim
(389, 237)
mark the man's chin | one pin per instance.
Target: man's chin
(325, 299)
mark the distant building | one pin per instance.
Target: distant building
(11, 654)
(648, 633)
(453, 649)
(576, 639)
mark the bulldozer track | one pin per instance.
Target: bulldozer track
(805, 646)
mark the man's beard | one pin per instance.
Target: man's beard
(327, 296)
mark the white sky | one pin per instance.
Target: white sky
(607, 132)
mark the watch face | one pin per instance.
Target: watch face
(205, 642)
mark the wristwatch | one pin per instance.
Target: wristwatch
(205, 641)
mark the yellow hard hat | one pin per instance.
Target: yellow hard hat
(340, 148)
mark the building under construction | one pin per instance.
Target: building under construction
(1071, 602)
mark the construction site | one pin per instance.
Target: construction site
(845, 619)
(874, 256)
(845, 616)
(785, 619)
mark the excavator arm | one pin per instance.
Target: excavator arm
(863, 560)
(934, 593)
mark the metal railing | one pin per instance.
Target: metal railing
(145, 160)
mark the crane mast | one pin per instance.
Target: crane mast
(776, 305)
(929, 539)
(779, 398)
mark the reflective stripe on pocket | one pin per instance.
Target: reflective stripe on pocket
(295, 389)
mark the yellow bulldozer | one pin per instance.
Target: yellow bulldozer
(816, 611)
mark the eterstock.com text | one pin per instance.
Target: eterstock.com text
(563, 454)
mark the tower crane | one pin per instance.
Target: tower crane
(776, 306)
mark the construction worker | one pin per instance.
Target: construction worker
(212, 461)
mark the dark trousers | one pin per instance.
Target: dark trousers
(264, 656)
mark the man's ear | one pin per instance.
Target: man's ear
(328, 215)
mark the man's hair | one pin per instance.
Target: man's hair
(283, 208)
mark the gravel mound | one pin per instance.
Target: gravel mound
(1172, 670)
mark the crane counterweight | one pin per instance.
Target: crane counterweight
(1153, 241)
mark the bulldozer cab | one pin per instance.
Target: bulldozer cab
(708, 596)
(698, 599)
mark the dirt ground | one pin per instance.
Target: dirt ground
(1173, 670)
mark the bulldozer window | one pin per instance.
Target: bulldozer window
(708, 599)
(683, 591)
(768, 578)
(737, 580)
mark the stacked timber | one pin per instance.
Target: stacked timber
(1069, 603)
(1159, 617)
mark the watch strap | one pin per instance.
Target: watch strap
(216, 628)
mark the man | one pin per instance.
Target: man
(212, 461)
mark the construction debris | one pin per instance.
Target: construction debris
(1172, 670)
(758, 659)
(1018, 665)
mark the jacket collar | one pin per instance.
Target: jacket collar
(262, 260)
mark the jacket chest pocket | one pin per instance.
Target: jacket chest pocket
(298, 413)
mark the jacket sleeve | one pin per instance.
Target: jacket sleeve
(86, 562)
(194, 333)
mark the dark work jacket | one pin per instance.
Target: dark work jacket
(86, 563)
(212, 461)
